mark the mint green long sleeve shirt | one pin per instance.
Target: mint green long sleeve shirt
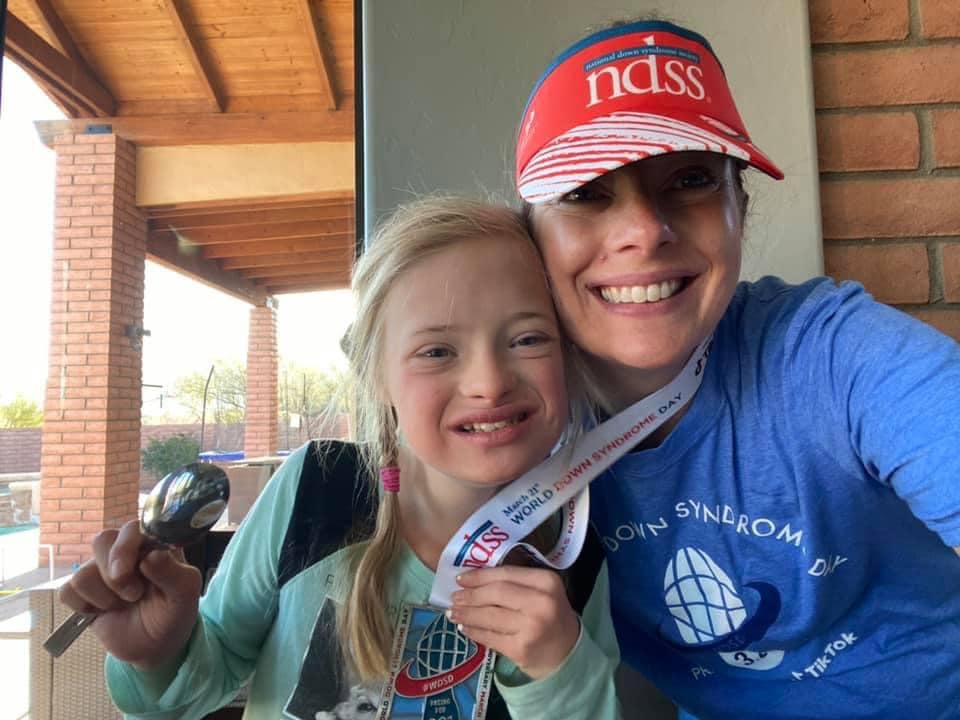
(279, 639)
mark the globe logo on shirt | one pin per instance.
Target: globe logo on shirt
(710, 614)
(440, 648)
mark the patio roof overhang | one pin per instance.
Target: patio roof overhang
(243, 117)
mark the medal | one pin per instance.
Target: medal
(436, 673)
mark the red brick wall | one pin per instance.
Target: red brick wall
(887, 88)
(90, 458)
(19, 450)
(262, 365)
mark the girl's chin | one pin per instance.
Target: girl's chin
(494, 477)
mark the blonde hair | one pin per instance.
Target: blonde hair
(414, 232)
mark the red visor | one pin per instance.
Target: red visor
(622, 95)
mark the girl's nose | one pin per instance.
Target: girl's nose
(487, 376)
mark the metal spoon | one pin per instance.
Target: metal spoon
(180, 509)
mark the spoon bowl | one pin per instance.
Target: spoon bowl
(185, 504)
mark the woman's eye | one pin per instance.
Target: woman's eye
(694, 180)
(435, 352)
(591, 192)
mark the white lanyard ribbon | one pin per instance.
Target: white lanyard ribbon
(559, 483)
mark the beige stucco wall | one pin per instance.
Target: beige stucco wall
(195, 173)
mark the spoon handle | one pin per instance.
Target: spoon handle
(68, 631)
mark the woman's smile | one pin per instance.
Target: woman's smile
(640, 294)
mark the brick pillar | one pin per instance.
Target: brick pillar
(262, 413)
(90, 459)
(886, 77)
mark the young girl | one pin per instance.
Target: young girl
(460, 388)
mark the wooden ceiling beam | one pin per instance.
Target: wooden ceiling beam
(169, 253)
(344, 255)
(205, 207)
(289, 290)
(201, 66)
(276, 286)
(215, 128)
(306, 270)
(273, 247)
(66, 102)
(318, 45)
(341, 275)
(56, 73)
(53, 24)
(266, 231)
(261, 103)
(254, 217)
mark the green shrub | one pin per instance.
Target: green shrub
(20, 413)
(162, 456)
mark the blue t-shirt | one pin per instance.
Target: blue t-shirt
(786, 551)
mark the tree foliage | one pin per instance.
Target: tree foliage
(308, 399)
(20, 413)
(164, 455)
(226, 396)
(311, 397)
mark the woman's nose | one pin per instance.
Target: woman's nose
(487, 376)
(638, 224)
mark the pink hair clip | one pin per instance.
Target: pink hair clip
(390, 477)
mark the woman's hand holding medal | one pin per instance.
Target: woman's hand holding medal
(520, 612)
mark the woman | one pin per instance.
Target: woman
(782, 548)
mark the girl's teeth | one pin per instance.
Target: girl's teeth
(640, 293)
(487, 427)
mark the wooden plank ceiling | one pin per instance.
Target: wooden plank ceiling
(255, 248)
(187, 72)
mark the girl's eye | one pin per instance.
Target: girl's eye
(435, 353)
(531, 340)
